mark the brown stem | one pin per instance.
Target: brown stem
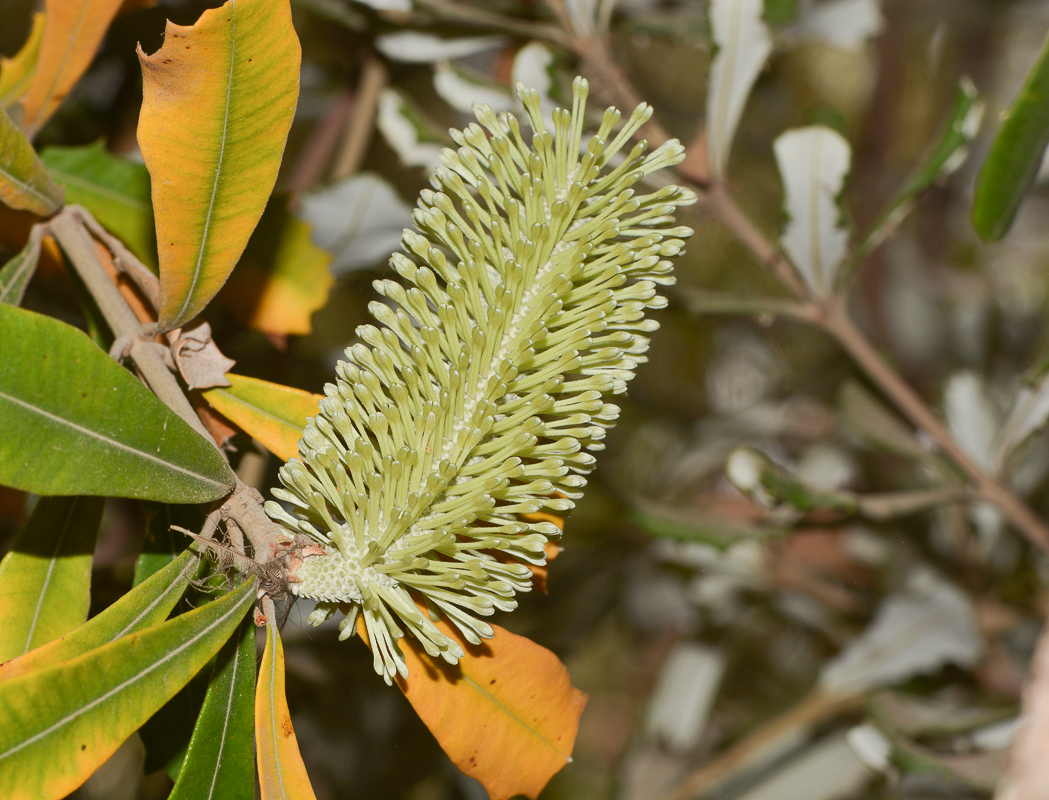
(560, 11)
(837, 323)
(763, 745)
(124, 259)
(831, 317)
(244, 505)
(80, 249)
(320, 144)
(721, 205)
(476, 16)
(358, 131)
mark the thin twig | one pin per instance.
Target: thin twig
(126, 261)
(721, 205)
(837, 323)
(764, 744)
(320, 144)
(78, 245)
(359, 127)
(560, 10)
(832, 317)
(701, 301)
(486, 19)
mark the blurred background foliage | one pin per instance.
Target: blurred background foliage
(690, 613)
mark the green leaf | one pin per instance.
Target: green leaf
(218, 101)
(221, 757)
(1017, 152)
(166, 734)
(148, 604)
(45, 580)
(73, 421)
(946, 156)
(24, 183)
(114, 190)
(755, 475)
(15, 274)
(57, 725)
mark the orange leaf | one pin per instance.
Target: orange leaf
(282, 278)
(506, 715)
(218, 101)
(282, 775)
(553, 550)
(540, 572)
(269, 412)
(73, 29)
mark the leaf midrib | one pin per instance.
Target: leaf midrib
(195, 276)
(47, 578)
(69, 718)
(118, 445)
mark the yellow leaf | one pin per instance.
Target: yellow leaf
(73, 29)
(282, 278)
(282, 775)
(218, 101)
(506, 715)
(269, 412)
(16, 72)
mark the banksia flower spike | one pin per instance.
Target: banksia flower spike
(520, 309)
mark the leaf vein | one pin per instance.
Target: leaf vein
(116, 689)
(195, 277)
(110, 441)
(47, 578)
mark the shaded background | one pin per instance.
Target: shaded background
(687, 613)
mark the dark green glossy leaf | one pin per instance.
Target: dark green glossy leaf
(1017, 152)
(114, 190)
(45, 580)
(220, 761)
(72, 421)
(59, 724)
(15, 274)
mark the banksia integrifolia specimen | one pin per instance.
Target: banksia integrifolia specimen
(520, 309)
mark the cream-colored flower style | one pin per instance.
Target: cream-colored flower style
(520, 309)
